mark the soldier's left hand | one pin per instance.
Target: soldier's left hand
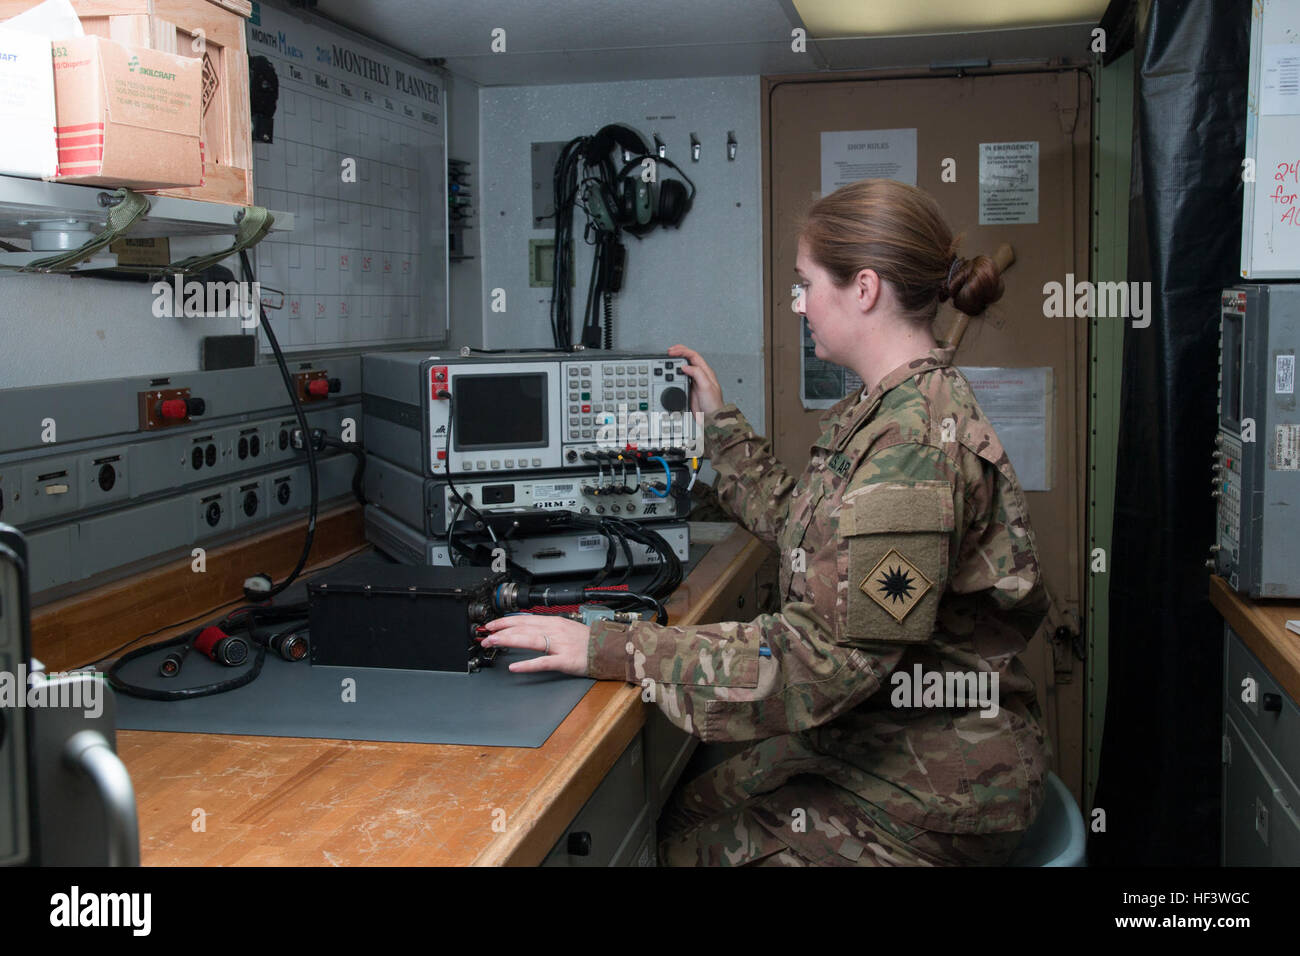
(530, 632)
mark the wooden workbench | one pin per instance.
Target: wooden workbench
(229, 800)
(1261, 625)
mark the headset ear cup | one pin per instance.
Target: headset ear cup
(673, 202)
(627, 203)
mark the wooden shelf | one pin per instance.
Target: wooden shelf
(31, 205)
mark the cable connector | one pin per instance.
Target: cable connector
(589, 614)
(318, 438)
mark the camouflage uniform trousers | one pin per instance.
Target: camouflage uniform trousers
(702, 826)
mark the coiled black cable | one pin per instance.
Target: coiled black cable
(565, 188)
(244, 618)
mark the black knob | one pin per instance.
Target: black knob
(107, 477)
(1272, 703)
(250, 503)
(673, 399)
(195, 406)
(335, 385)
(282, 494)
(213, 516)
(580, 843)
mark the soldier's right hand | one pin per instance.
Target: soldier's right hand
(706, 395)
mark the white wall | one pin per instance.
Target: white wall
(701, 284)
(56, 328)
(65, 329)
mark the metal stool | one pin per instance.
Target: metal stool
(1057, 836)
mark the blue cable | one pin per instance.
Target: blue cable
(668, 472)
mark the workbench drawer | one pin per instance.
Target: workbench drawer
(646, 852)
(612, 821)
(1272, 715)
(638, 847)
(1260, 825)
(668, 749)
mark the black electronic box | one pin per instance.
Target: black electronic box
(403, 616)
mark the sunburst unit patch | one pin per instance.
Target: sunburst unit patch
(896, 584)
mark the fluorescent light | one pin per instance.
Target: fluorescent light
(858, 18)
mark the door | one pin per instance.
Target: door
(952, 116)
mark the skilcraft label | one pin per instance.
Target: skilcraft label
(1286, 448)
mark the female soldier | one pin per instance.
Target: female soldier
(890, 721)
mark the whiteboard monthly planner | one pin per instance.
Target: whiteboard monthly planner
(359, 158)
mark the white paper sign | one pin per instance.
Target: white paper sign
(850, 155)
(822, 384)
(1017, 402)
(1008, 183)
(1279, 85)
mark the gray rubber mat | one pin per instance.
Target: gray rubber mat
(492, 708)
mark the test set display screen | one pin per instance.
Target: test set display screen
(499, 411)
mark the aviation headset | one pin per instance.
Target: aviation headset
(624, 200)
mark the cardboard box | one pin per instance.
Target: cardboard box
(26, 105)
(212, 32)
(127, 116)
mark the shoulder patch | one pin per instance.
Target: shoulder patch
(896, 584)
(840, 463)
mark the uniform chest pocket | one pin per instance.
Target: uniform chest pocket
(895, 540)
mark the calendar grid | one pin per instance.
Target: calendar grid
(362, 168)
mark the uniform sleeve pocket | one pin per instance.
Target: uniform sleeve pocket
(894, 546)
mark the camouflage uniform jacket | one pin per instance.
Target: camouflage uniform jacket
(905, 549)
